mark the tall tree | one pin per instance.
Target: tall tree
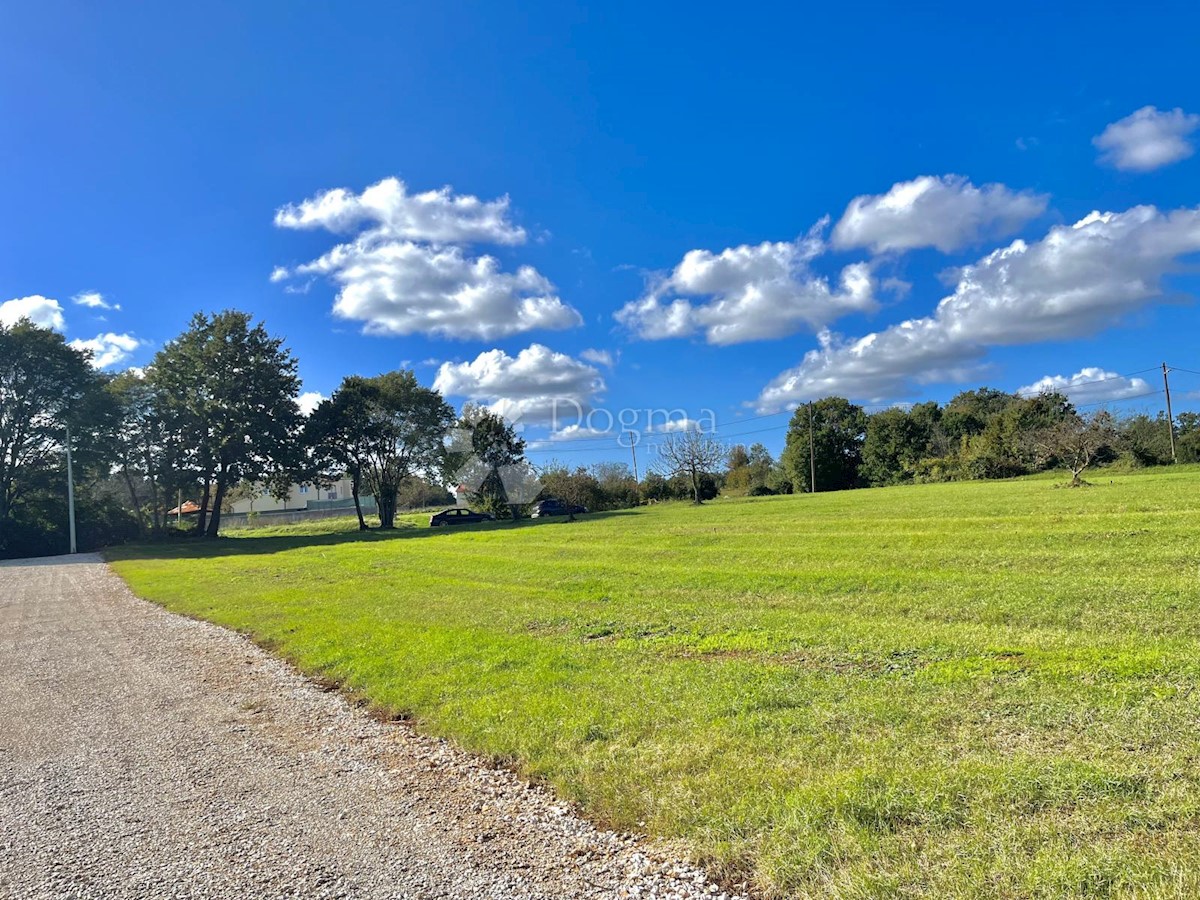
(838, 429)
(137, 446)
(692, 454)
(898, 440)
(339, 436)
(486, 448)
(969, 412)
(406, 424)
(227, 393)
(45, 386)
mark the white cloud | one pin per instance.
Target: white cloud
(677, 426)
(406, 273)
(537, 386)
(1076, 281)
(752, 293)
(580, 432)
(1147, 139)
(1089, 385)
(946, 212)
(438, 216)
(108, 349)
(599, 357)
(400, 288)
(94, 300)
(41, 311)
(308, 401)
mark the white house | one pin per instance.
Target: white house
(299, 497)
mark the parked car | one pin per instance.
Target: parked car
(552, 506)
(456, 515)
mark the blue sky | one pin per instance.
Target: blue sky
(683, 207)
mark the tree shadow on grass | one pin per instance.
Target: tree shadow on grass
(247, 544)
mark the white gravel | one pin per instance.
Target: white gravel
(143, 754)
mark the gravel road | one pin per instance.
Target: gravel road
(143, 754)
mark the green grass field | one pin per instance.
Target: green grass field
(962, 690)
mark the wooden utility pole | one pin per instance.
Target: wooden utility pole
(633, 450)
(812, 456)
(1170, 415)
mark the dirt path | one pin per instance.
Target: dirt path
(147, 755)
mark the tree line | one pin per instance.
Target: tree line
(213, 415)
(979, 434)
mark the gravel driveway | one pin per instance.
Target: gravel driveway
(143, 754)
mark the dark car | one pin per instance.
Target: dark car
(551, 506)
(458, 516)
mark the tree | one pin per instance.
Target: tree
(737, 470)
(227, 390)
(45, 386)
(137, 446)
(969, 412)
(486, 448)
(899, 440)
(691, 453)
(1146, 439)
(403, 433)
(1003, 449)
(338, 435)
(1074, 442)
(838, 429)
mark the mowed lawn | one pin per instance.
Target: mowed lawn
(966, 690)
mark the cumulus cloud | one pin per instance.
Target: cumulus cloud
(749, 293)
(946, 212)
(398, 288)
(439, 216)
(407, 271)
(1076, 281)
(1147, 139)
(1089, 385)
(93, 300)
(41, 311)
(108, 349)
(537, 386)
(309, 401)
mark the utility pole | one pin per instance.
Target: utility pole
(812, 456)
(1170, 416)
(633, 450)
(70, 492)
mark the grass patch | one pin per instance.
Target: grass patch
(965, 690)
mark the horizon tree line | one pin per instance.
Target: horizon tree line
(215, 413)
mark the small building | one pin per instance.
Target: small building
(303, 496)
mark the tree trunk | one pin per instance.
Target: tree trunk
(214, 521)
(133, 500)
(354, 479)
(696, 485)
(385, 500)
(202, 518)
(156, 518)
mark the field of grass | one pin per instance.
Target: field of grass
(966, 690)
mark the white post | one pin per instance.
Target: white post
(70, 492)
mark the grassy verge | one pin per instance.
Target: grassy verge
(973, 690)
